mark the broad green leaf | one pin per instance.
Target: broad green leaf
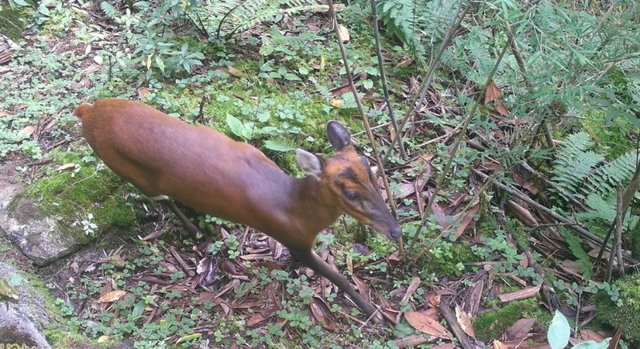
(277, 146)
(368, 84)
(303, 70)
(160, 63)
(235, 125)
(44, 10)
(291, 77)
(593, 344)
(559, 331)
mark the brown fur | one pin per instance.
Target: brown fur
(214, 174)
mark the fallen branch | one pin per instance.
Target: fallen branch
(574, 226)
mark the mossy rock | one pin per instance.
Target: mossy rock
(84, 192)
(625, 311)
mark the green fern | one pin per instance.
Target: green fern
(399, 16)
(574, 162)
(576, 248)
(585, 175)
(109, 10)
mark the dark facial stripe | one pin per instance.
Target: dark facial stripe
(349, 173)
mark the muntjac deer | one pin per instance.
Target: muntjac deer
(167, 158)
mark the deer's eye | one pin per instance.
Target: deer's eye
(351, 195)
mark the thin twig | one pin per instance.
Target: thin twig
(365, 119)
(555, 187)
(628, 195)
(614, 244)
(454, 149)
(523, 70)
(424, 86)
(574, 226)
(383, 76)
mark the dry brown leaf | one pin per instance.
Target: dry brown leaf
(438, 212)
(411, 289)
(589, 335)
(343, 33)
(467, 219)
(112, 296)
(423, 323)
(143, 93)
(519, 295)
(572, 266)
(465, 321)
(520, 329)
(255, 319)
(412, 341)
(406, 189)
(362, 287)
(317, 311)
(594, 254)
(498, 345)
(322, 313)
(66, 166)
(340, 90)
(405, 62)
(27, 131)
(394, 256)
(523, 215)
(501, 108)
(249, 304)
(493, 92)
(475, 296)
(336, 103)
(235, 72)
(615, 339)
(434, 301)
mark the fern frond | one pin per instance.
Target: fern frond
(585, 175)
(399, 16)
(109, 10)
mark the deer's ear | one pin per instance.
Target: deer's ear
(338, 135)
(311, 164)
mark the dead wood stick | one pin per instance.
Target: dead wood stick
(453, 323)
(570, 224)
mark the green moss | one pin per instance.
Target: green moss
(626, 313)
(75, 194)
(491, 325)
(12, 22)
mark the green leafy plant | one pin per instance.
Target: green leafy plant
(559, 332)
(584, 174)
(149, 35)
